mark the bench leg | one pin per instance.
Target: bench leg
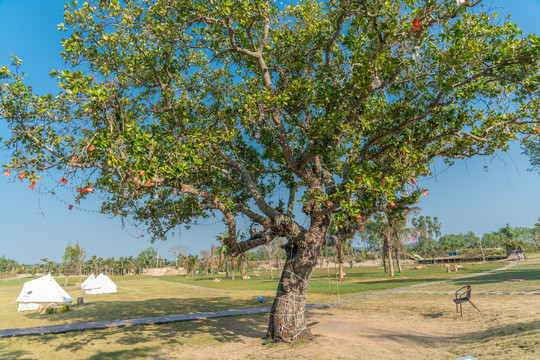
(474, 306)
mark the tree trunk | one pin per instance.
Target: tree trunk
(243, 265)
(233, 267)
(287, 317)
(279, 260)
(206, 267)
(397, 262)
(66, 279)
(482, 251)
(536, 241)
(384, 252)
(269, 252)
(212, 254)
(226, 267)
(351, 258)
(339, 249)
(389, 249)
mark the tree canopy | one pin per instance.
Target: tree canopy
(188, 109)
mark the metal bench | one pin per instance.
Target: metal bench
(463, 294)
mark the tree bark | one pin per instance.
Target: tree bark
(269, 252)
(233, 267)
(397, 261)
(536, 241)
(384, 257)
(339, 249)
(287, 317)
(482, 251)
(389, 249)
(212, 254)
(243, 265)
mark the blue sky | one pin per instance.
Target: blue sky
(464, 197)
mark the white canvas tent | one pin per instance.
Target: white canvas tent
(100, 285)
(85, 282)
(44, 290)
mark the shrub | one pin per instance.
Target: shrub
(58, 309)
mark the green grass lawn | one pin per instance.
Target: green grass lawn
(323, 281)
(143, 296)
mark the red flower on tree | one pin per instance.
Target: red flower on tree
(416, 25)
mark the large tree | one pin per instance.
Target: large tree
(187, 109)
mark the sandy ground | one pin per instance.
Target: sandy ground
(397, 326)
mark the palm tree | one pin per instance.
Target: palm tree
(45, 261)
(212, 254)
(332, 230)
(192, 264)
(392, 232)
(223, 251)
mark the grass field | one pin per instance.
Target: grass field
(409, 325)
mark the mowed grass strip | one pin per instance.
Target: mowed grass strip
(358, 279)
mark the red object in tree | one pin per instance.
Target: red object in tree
(7, 173)
(70, 207)
(74, 160)
(63, 180)
(141, 173)
(426, 192)
(391, 203)
(52, 192)
(416, 25)
(22, 175)
(412, 180)
(408, 220)
(91, 148)
(359, 217)
(81, 190)
(148, 182)
(538, 131)
(31, 187)
(90, 189)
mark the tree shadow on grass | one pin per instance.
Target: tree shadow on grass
(222, 330)
(15, 354)
(225, 329)
(120, 310)
(503, 276)
(467, 337)
(514, 330)
(125, 354)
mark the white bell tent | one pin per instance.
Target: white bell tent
(100, 285)
(44, 290)
(85, 282)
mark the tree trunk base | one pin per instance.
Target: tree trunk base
(283, 334)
